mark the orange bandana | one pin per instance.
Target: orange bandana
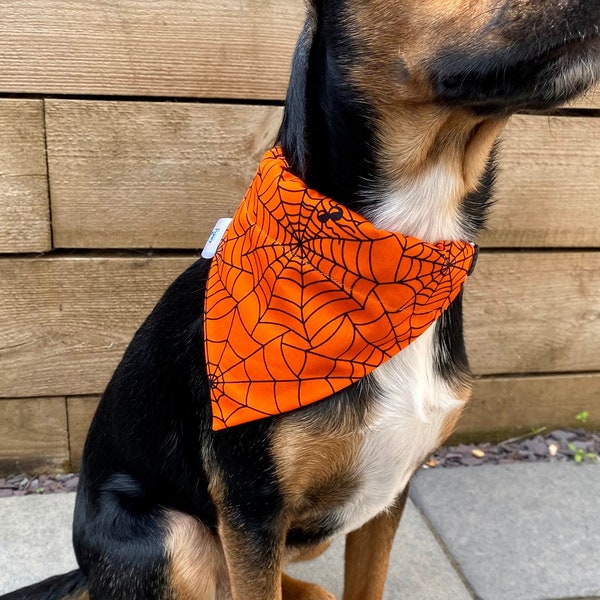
(305, 297)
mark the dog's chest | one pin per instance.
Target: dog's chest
(412, 407)
(410, 412)
(415, 406)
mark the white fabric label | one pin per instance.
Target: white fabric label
(215, 238)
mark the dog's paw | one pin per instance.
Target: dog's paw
(294, 589)
(316, 592)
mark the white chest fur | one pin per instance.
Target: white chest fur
(412, 408)
(414, 402)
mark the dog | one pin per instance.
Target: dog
(393, 111)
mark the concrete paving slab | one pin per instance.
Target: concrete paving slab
(518, 532)
(35, 534)
(35, 539)
(419, 569)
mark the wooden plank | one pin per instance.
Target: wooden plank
(24, 206)
(185, 48)
(505, 406)
(130, 174)
(500, 408)
(65, 322)
(548, 184)
(142, 175)
(33, 435)
(80, 411)
(534, 312)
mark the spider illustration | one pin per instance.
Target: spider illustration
(335, 214)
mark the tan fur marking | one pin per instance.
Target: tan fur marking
(301, 554)
(396, 41)
(80, 596)
(196, 561)
(478, 150)
(253, 576)
(294, 589)
(315, 466)
(408, 34)
(449, 424)
(368, 554)
(415, 138)
(462, 392)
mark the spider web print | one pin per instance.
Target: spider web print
(305, 297)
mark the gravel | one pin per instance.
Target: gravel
(24, 485)
(560, 445)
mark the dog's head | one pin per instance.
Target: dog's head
(385, 93)
(436, 80)
(493, 56)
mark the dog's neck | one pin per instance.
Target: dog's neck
(326, 136)
(421, 170)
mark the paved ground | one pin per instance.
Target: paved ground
(509, 532)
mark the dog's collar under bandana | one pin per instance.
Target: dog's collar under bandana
(305, 297)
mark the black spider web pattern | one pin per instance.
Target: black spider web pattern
(304, 297)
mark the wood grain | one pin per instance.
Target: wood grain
(534, 312)
(130, 174)
(33, 435)
(24, 205)
(65, 321)
(175, 48)
(80, 411)
(143, 175)
(548, 184)
(505, 406)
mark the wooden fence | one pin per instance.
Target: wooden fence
(128, 127)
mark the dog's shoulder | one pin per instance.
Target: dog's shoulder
(156, 405)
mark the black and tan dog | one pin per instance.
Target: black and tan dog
(393, 110)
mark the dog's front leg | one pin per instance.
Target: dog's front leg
(368, 554)
(254, 558)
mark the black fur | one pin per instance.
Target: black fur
(520, 75)
(328, 131)
(476, 205)
(61, 586)
(142, 449)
